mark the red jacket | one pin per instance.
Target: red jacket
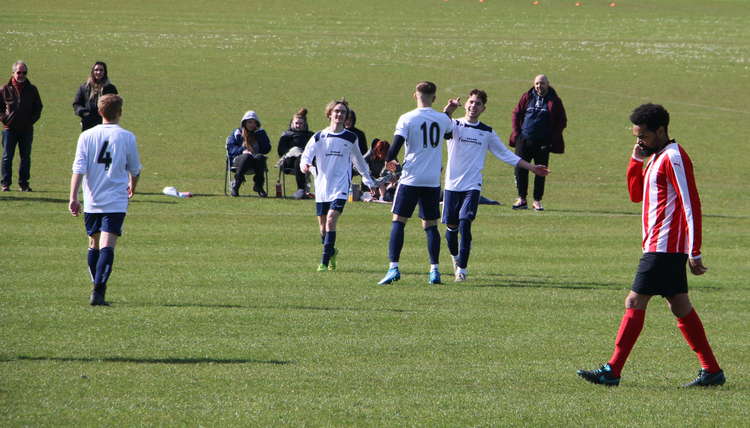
(558, 120)
(19, 111)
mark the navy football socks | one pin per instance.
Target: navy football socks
(433, 244)
(104, 265)
(93, 259)
(328, 245)
(451, 237)
(464, 228)
(396, 243)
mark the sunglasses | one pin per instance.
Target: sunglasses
(22, 72)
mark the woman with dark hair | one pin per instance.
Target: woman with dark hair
(291, 144)
(88, 95)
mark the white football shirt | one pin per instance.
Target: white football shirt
(467, 150)
(334, 154)
(106, 154)
(424, 130)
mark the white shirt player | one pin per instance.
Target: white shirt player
(467, 150)
(335, 153)
(424, 130)
(105, 155)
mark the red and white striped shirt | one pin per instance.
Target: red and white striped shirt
(671, 207)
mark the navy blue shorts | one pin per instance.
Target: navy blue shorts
(460, 206)
(407, 197)
(661, 274)
(322, 208)
(104, 222)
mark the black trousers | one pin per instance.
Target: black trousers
(246, 163)
(292, 164)
(538, 152)
(23, 140)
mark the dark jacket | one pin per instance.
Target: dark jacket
(235, 140)
(293, 138)
(360, 134)
(558, 119)
(20, 112)
(86, 107)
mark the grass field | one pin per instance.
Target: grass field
(217, 315)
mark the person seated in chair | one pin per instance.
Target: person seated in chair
(291, 145)
(375, 159)
(247, 147)
(350, 124)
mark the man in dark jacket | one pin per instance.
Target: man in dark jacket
(538, 123)
(21, 107)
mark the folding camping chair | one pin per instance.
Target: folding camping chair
(230, 170)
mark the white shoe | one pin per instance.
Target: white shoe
(460, 277)
(299, 194)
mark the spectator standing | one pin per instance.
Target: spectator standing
(20, 109)
(247, 147)
(86, 100)
(538, 123)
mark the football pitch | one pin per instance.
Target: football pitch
(218, 317)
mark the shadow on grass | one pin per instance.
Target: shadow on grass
(151, 360)
(631, 213)
(282, 307)
(512, 281)
(250, 195)
(34, 199)
(571, 285)
(65, 201)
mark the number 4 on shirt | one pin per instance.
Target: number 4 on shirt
(104, 156)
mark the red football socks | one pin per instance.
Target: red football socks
(630, 328)
(692, 329)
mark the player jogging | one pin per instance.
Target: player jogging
(107, 162)
(334, 150)
(671, 237)
(467, 150)
(423, 130)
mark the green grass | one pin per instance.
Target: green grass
(218, 317)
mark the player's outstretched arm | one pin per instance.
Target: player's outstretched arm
(540, 170)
